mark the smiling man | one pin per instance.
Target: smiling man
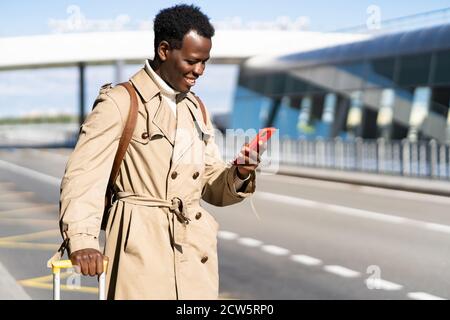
(160, 242)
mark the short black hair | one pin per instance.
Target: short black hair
(172, 24)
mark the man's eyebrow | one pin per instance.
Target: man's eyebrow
(197, 59)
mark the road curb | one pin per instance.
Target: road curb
(9, 288)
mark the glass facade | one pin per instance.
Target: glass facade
(390, 97)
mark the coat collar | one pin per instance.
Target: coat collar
(160, 118)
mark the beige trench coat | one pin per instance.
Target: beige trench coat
(170, 161)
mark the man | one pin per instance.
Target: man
(160, 242)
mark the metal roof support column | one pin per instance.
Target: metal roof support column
(82, 93)
(119, 66)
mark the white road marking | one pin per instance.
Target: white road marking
(278, 251)
(354, 212)
(408, 195)
(437, 227)
(333, 185)
(334, 269)
(423, 296)
(372, 283)
(342, 271)
(30, 173)
(380, 284)
(249, 242)
(227, 235)
(306, 260)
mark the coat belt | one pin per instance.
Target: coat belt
(177, 205)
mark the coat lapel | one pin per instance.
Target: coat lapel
(160, 119)
(165, 120)
(190, 125)
(184, 136)
(196, 113)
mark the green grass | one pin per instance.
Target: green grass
(40, 119)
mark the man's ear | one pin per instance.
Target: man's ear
(163, 50)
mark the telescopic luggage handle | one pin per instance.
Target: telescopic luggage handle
(67, 264)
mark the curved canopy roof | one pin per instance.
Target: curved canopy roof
(410, 42)
(229, 46)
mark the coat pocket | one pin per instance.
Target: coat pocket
(140, 136)
(131, 233)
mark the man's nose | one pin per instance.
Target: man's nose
(199, 68)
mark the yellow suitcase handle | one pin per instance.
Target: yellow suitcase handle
(57, 265)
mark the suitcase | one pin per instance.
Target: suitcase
(67, 264)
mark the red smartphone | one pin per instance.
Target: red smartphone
(264, 135)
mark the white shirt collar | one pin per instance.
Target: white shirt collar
(166, 90)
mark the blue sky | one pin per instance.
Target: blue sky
(29, 17)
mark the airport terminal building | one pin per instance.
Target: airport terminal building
(394, 86)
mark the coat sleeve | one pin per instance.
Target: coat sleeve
(83, 187)
(219, 178)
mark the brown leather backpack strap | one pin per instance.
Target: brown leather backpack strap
(202, 107)
(127, 134)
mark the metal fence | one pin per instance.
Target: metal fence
(421, 159)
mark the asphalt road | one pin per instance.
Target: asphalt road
(296, 239)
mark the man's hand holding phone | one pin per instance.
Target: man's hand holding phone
(249, 157)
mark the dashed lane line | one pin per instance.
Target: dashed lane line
(371, 283)
(341, 271)
(275, 250)
(249, 242)
(306, 260)
(227, 235)
(375, 283)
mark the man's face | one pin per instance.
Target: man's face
(184, 66)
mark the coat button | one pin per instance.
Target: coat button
(144, 135)
(174, 175)
(198, 215)
(195, 175)
(204, 259)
